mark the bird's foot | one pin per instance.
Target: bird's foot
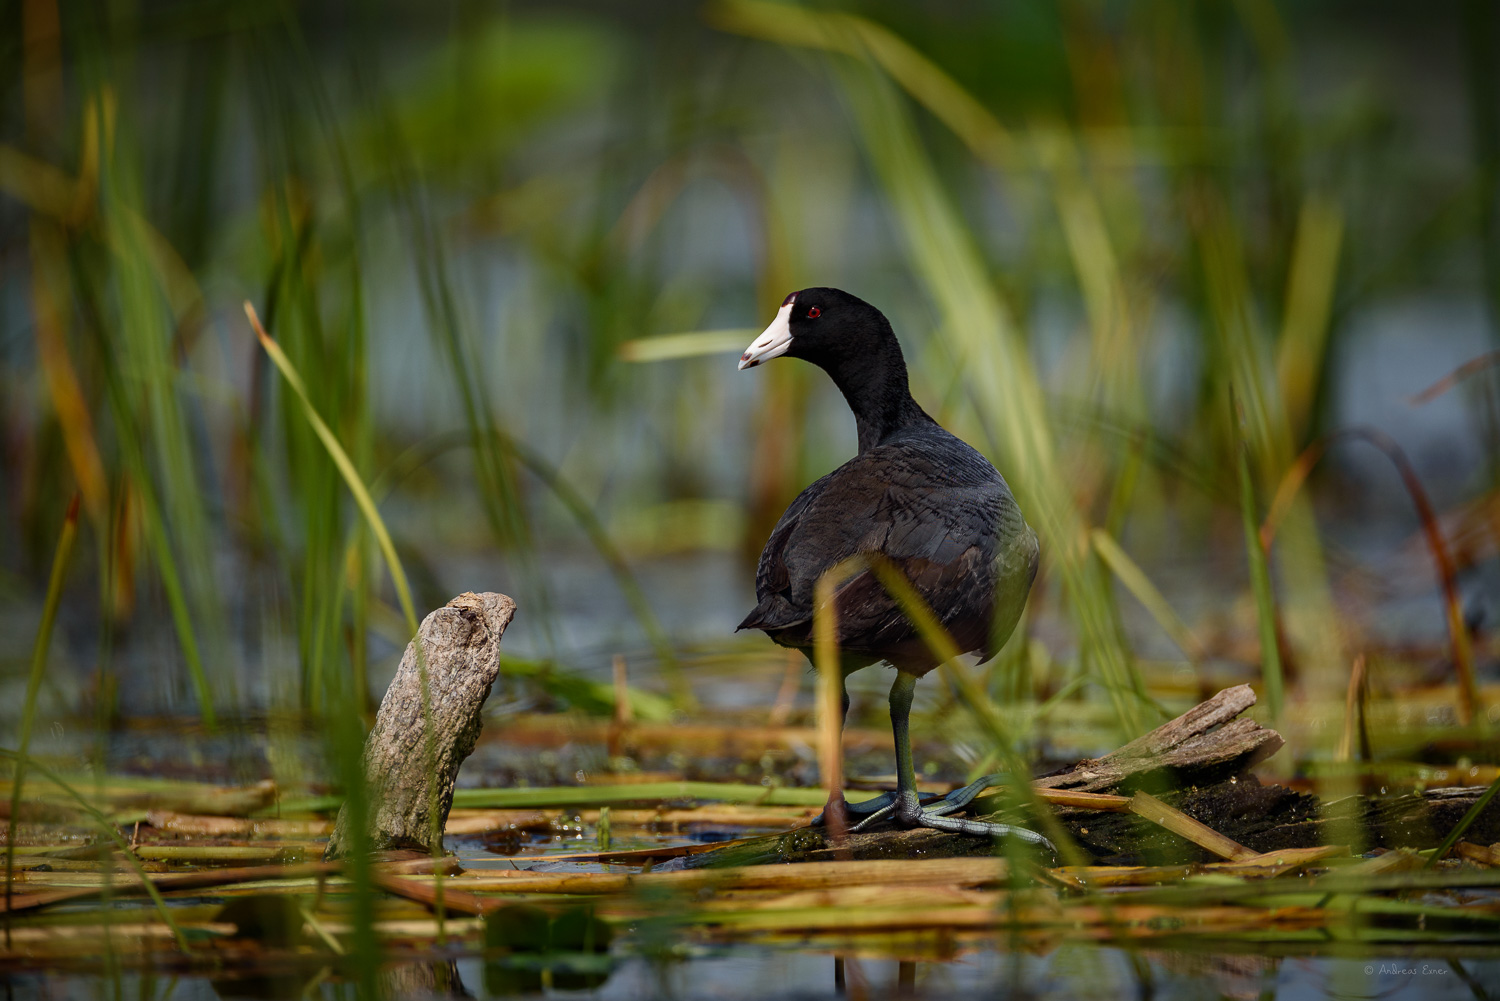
(884, 805)
(910, 813)
(961, 825)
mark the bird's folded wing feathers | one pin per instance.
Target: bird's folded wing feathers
(942, 538)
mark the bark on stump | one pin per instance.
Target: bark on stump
(461, 645)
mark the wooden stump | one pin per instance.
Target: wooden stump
(409, 772)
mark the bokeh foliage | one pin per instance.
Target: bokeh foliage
(460, 223)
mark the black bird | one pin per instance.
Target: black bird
(916, 496)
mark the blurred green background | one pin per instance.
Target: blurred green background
(1141, 254)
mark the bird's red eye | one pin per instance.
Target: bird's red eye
(813, 312)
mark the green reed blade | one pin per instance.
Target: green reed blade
(1137, 583)
(694, 344)
(978, 327)
(1260, 586)
(1464, 823)
(583, 513)
(39, 650)
(345, 467)
(1001, 376)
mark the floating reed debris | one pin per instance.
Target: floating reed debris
(892, 883)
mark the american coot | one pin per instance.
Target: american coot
(917, 496)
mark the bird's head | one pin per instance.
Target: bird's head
(820, 325)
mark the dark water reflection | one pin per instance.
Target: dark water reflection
(1071, 971)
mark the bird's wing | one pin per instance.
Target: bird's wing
(774, 608)
(940, 523)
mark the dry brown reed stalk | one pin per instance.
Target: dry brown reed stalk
(85, 939)
(1265, 866)
(177, 881)
(199, 825)
(1291, 483)
(487, 821)
(870, 895)
(386, 868)
(643, 856)
(1452, 379)
(959, 872)
(1354, 715)
(1084, 800)
(1034, 914)
(727, 739)
(1483, 854)
(194, 798)
(441, 897)
(1144, 804)
(786, 695)
(729, 813)
(220, 853)
(624, 714)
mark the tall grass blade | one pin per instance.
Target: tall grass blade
(1464, 823)
(39, 649)
(1137, 583)
(999, 373)
(1260, 586)
(694, 344)
(345, 467)
(144, 330)
(682, 692)
(1302, 347)
(830, 692)
(852, 35)
(941, 643)
(1245, 374)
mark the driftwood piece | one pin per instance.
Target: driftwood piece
(461, 646)
(1205, 746)
(1198, 764)
(1202, 746)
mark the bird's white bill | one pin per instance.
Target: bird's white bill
(773, 341)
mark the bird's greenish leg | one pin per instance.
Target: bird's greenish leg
(908, 810)
(907, 807)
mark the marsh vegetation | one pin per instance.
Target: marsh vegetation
(1215, 285)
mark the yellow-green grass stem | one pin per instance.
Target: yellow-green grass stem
(371, 514)
(1260, 585)
(1129, 573)
(1464, 823)
(344, 465)
(39, 650)
(942, 645)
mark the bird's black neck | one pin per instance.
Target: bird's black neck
(874, 384)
